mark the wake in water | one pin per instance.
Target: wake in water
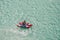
(17, 31)
(22, 32)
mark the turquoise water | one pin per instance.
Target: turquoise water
(43, 14)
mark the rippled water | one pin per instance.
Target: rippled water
(43, 14)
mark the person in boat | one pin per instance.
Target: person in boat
(24, 24)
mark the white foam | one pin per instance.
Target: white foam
(22, 32)
(16, 31)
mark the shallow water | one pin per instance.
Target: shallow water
(43, 14)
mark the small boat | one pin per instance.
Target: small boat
(24, 24)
